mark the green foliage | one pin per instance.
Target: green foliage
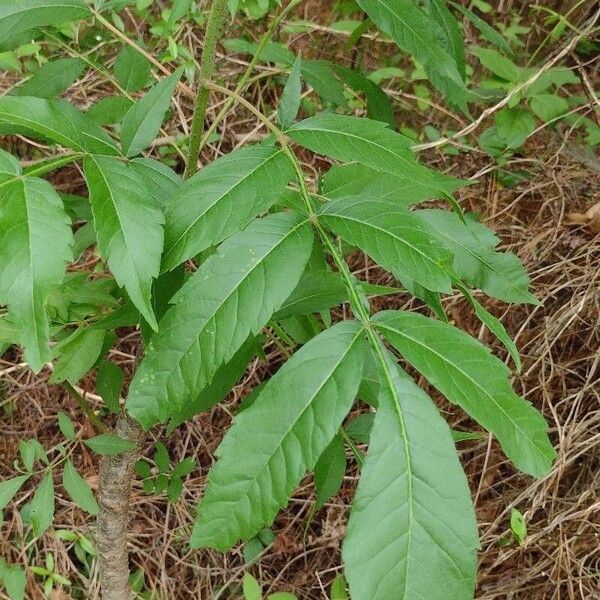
(420, 34)
(35, 249)
(454, 363)
(52, 78)
(16, 17)
(424, 495)
(108, 444)
(129, 226)
(142, 122)
(78, 489)
(14, 580)
(262, 252)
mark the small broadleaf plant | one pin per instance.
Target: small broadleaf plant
(267, 253)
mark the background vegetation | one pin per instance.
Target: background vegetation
(529, 146)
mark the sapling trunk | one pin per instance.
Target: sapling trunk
(114, 497)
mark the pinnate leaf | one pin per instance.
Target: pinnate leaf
(222, 198)
(143, 120)
(468, 374)
(129, 226)
(250, 275)
(412, 530)
(52, 78)
(54, 120)
(392, 236)
(499, 274)
(36, 245)
(289, 103)
(293, 420)
(371, 143)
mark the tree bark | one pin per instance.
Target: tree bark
(114, 494)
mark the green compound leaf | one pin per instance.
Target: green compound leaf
(17, 16)
(412, 531)
(54, 120)
(222, 198)
(144, 119)
(371, 143)
(129, 226)
(468, 374)
(499, 274)
(36, 246)
(343, 181)
(420, 35)
(393, 237)
(250, 275)
(293, 421)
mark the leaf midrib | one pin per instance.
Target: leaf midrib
(233, 291)
(252, 482)
(216, 201)
(386, 232)
(468, 377)
(405, 443)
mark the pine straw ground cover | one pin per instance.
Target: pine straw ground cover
(559, 342)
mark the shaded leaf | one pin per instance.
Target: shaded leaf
(52, 78)
(251, 275)
(413, 508)
(79, 490)
(289, 104)
(132, 69)
(129, 226)
(255, 474)
(329, 471)
(9, 487)
(42, 505)
(36, 246)
(77, 355)
(469, 375)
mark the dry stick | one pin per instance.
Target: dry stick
(493, 109)
(112, 524)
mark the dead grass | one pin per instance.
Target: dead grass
(559, 341)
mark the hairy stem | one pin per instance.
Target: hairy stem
(216, 20)
(241, 86)
(114, 496)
